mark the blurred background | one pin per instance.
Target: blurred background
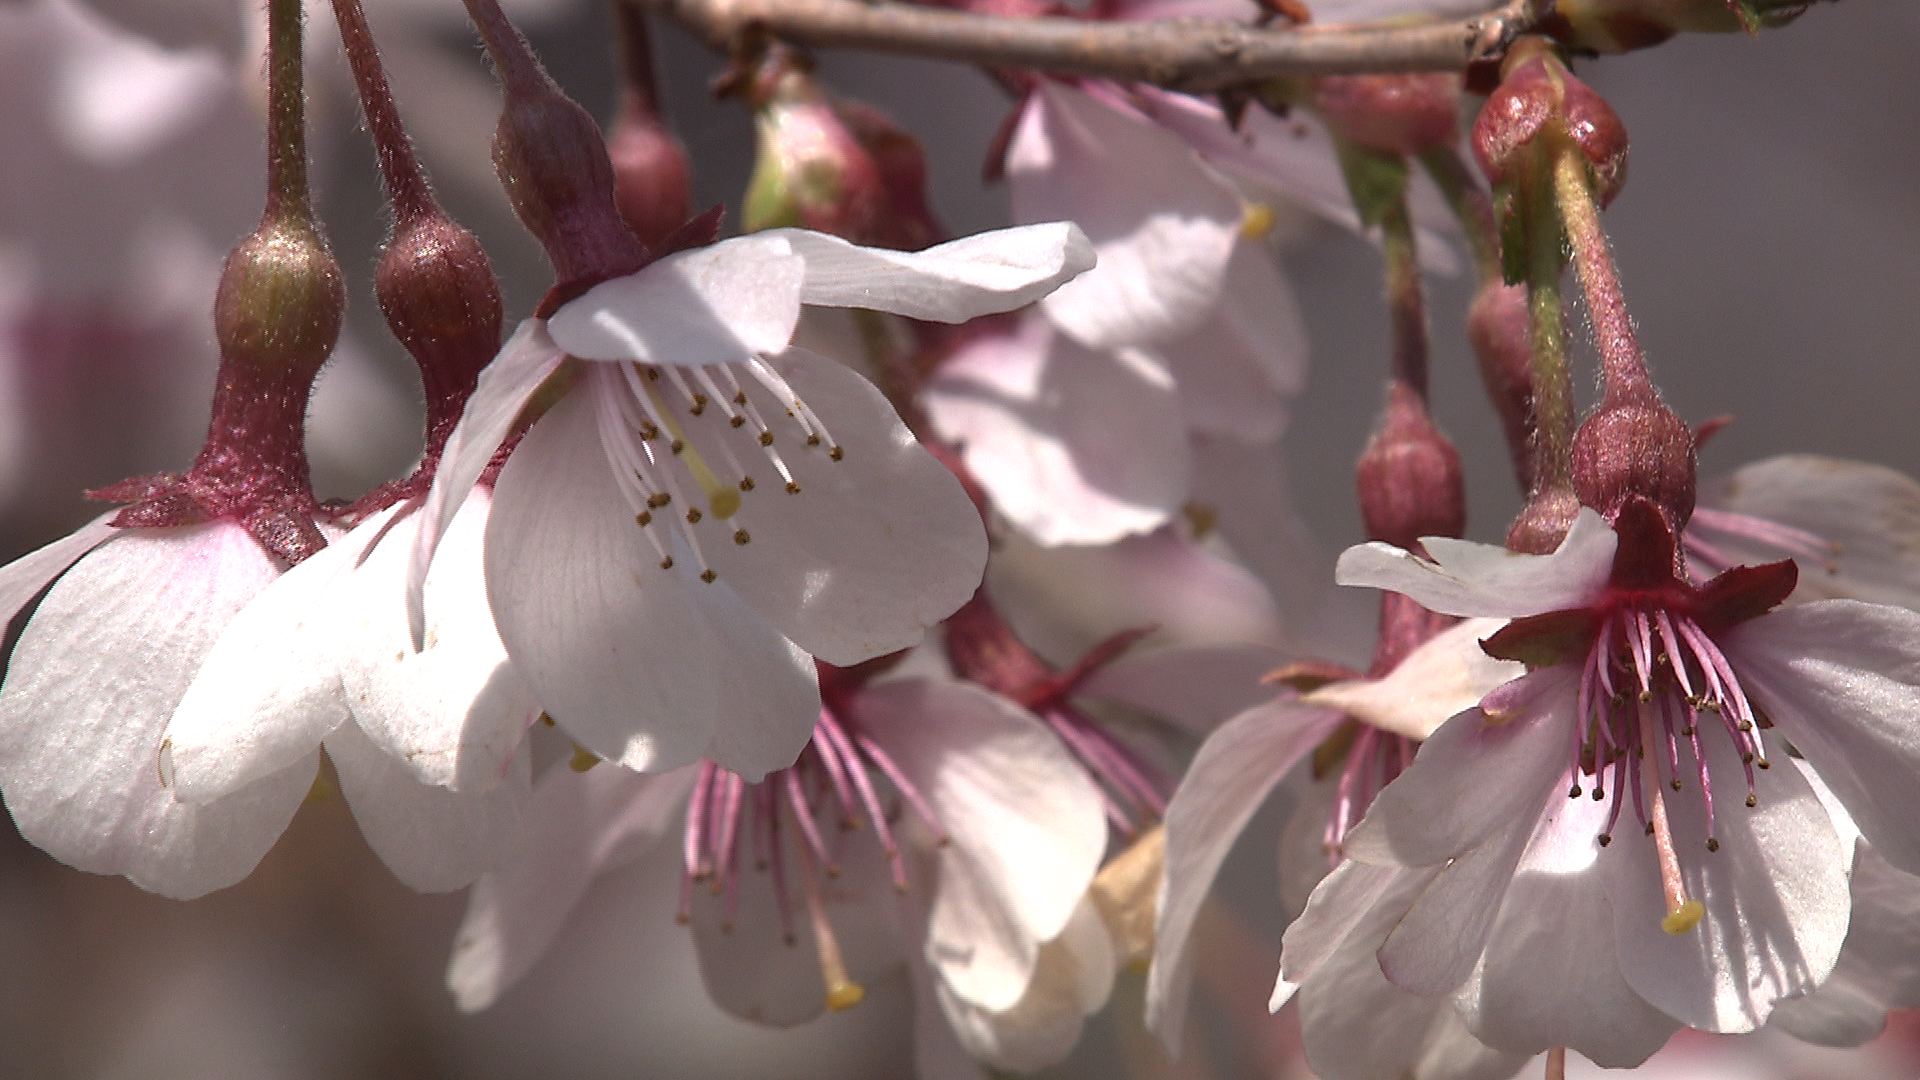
(1768, 242)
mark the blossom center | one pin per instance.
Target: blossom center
(780, 818)
(671, 432)
(1653, 681)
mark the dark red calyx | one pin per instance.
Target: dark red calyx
(1539, 96)
(1634, 448)
(1409, 478)
(1406, 114)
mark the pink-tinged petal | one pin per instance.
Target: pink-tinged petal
(1870, 515)
(1230, 777)
(1775, 895)
(1550, 976)
(505, 387)
(1358, 1026)
(269, 689)
(1879, 966)
(434, 840)
(1475, 781)
(1064, 601)
(1238, 370)
(455, 711)
(1196, 687)
(92, 682)
(1071, 982)
(1338, 910)
(1026, 828)
(1482, 580)
(1163, 223)
(875, 548)
(22, 579)
(1446, 676)
(1074, 446)
(648, 667)
(1438, 942)
(961, 279)
(1841, 680)
(718, 304)
(576, 827)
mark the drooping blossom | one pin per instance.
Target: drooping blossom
(927, 821)
(1502, 871)
(700, 510)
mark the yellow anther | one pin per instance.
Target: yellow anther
(1256, 221)
(1684, 918)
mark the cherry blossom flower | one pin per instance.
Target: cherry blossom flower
(792, 885)
(700, 513)
(1544, 919)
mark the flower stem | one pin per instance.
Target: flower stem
(400, 172)
(1552, 378)
(1406, 302)
(1623, 364)
(287, 199)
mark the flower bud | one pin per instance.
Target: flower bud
(1538, 94)
(836, 167)
(1409, 477)
(1633, 445)
(1499, 328)
(1403, 115)
(1615, 26)
(550, 158)
(1543, 522)
(652, 180)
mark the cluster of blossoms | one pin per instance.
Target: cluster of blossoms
(923, 596)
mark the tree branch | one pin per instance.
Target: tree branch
(1188, 55)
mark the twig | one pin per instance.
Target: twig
(1189, 55)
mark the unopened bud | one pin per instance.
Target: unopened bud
(836, 167)
(1499, 328)
(278, 308)
(1635, 446)
(1614, 26)
(1404, 114)
(1537, 95)
(550, 158)
(1409, 477)
(1543, 523)
(652, 180)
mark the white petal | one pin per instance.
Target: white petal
(1879, 966)
(937, 1051)
(961, 279)
(505, 386)
(1074, 446)
(1340, 904)
(22, 579)
(1164, 224)
(1472, 579)
(1550, 976)
(1063, 601)
(1870, 513)
(1070, 982)
(1841, 679)
(1238, 370)
(713, 305)
(1026, 828)
(269, 689)
(434, 840)
(1447, 675)
(1230, 777)
(1197, 687)
(648, 667)
(577, 826)
(455, 711)
(1439, 941)
(95, 676)
(1473, 781)
(873, 550)
(1775, 895)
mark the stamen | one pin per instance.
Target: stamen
(810, 422)
(857, 772)
(842, 992)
